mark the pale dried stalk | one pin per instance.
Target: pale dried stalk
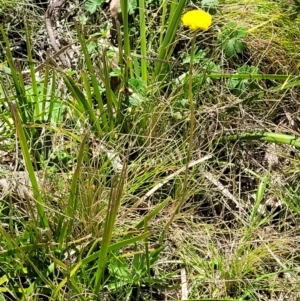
(114, 8)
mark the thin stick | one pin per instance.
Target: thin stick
(168, 178)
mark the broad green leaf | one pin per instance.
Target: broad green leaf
(230, 39)
(92, 5)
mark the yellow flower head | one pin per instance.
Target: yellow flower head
(197, 19)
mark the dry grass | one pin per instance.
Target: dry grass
(232, 240)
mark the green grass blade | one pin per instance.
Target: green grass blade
(285, 86)
(163, 21)
(253, 76)
(72, 201)
(259, 196)
(117, 246)
(87, 89)
(18, 83)
(84, 104)
(28, 163)
(36, 115)
(109, 97)
(94, 79)
(127, 51)
(164, 50)
(153, 213)
(64, 281)
(52, 95)
(142, 13)
(112, 210)
(45, 94)
(266, 136)
(129, 241)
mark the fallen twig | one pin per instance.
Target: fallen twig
(48, 15)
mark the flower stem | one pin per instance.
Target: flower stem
(191, 136)
(192, 122)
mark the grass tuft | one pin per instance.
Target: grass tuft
(163, 165)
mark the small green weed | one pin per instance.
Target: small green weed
(231, 39)
(241, 87)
